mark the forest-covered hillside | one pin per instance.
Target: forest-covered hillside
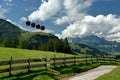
(13, 36)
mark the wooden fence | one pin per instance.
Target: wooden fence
(14, 65)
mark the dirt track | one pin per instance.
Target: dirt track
(92, 74)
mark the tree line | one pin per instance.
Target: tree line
(47, 44)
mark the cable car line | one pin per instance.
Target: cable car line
(34, 25)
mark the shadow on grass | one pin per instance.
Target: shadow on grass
(52, 73)
(32, 75)
(75, 68)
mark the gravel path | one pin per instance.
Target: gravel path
(92, 74)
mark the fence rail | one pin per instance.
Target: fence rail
(46, 62)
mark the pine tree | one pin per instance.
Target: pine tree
(66, 46)
(5, 42)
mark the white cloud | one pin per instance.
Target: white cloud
(62, 20)
(46, 30)
(44, 1)
(9, 4)
(72, 9)
(103, 26)
(10, 21)
(3, 11)
(26, 9)
(114, 37)
(8, 1)
(74, 12)
(21, 27)
(30, 8)
(23, 19)
(46, 10)
(16, 24)
(0, 6)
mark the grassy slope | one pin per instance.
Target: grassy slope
(39, 73)
(6, 53)
(113, 75)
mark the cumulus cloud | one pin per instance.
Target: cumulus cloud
(80, 22)
(103, 26)
(46, 10)
(71, 10)
(74, 10)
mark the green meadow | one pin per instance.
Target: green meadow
(113, 75)
(51, 73)
(6, 53)
(40, 73)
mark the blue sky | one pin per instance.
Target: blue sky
(105, 7)
(66, 18)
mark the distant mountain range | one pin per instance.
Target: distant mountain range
(84, 49)
(98, 43)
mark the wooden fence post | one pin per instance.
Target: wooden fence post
(111, 59)
(115, 60)
(104, 58)
(97, 59)
(54, 60)
(46, 63)
(75, 60)
(29, 65)
(91, 59)
(86, 59)
(10, 67)
(64, 59)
